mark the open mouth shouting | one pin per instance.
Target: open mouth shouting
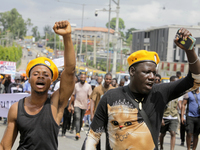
(149, 85)
(40, 84)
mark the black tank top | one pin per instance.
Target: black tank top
(37, 132)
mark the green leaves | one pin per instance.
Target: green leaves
(10, 53)
(113, 24)
(13, 21)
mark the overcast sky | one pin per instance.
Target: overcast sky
(140, 14)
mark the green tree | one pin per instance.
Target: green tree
(48, 31)
(125, 51)
(89, 48)
(35, 33)
(129, 32)
(50, 42)
(13, 53)
(13, 21)
(29, 23)
(129, 40)
(113, 24)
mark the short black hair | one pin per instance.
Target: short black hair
(178, 72)
(82, 74)
(108, 74)
(172, 78)
(115, 79)
(77, 78)
(158, 75)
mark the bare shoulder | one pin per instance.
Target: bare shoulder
(13, 111)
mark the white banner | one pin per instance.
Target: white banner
(59, 62)
(6, 100)
(7, 67)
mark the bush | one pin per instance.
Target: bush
(13, 53)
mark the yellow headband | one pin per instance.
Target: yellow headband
(143, 55)
(43, 61)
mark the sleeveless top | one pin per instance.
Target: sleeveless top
(37, 132)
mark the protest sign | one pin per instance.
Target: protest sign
(6, 100)
(7, 67)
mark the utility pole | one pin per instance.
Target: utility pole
(86, 49)
(46, 39)
(76, 45)
(116, 36)
(94, 57)
(54, 41)
(108, 46)
(81, 38)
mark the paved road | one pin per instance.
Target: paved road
(69, 143)
(26, 59)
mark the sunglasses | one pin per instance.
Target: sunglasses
(157, 79)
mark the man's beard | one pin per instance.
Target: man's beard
(82, 82)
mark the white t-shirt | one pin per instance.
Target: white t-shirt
(126, 82)
(57, 86)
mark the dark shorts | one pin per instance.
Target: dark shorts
(193, 125)
(170, 125)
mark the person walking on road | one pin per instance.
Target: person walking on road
(82, 91)
(182, 126)
(98, 92)
(170, 120)
(38, 116)
(192, 122)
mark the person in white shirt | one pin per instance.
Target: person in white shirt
(127, 81)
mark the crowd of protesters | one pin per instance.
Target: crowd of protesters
(103, 104)
(75, 117)
(72, 117)
(182, 113)
(80, 111)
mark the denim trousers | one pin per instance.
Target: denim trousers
(79, 114)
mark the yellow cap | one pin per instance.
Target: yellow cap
(142, 56)
(1, 77)
(43, 61)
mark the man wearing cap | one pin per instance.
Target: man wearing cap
(38, 116)
(119, 110)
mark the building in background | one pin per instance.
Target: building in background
(161, 40)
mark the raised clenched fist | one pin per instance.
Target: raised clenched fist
(62, 28)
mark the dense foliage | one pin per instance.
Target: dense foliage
(12, 54)
(13, 22)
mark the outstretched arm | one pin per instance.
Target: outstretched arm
(67, 77)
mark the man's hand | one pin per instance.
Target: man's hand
(184, 33)
(182, 120)
(91, 116)
(163, 123)
(62, 28)
(70, 109)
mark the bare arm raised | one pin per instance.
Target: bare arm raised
(67, 82)
(194, 63)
